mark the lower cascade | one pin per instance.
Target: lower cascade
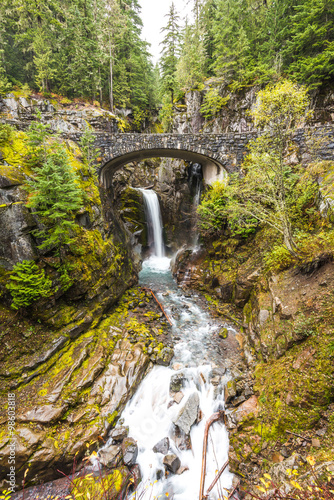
(168, 413)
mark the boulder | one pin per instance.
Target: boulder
(188, 414)
(230, 391)
(130, 451)
(119, 433)
(172, 463)
(176, 382)
(178, 397)
(164, 357)
(247, 408)
(108, 456)
(162, 446)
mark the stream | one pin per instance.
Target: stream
(151, 413)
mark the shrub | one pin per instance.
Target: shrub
(212, 103)
(278, 259)
(28, 284)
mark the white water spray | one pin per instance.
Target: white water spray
(151, 413)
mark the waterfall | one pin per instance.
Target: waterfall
(154, 222)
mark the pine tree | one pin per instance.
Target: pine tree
(191, 65)
(55, 197)
(170, 52)
(310, 50)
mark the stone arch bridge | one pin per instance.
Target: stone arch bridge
(218, 154)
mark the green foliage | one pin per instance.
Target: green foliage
(139, 116)
(55, 197)
(77, 49)
(170, 53)
(212, 103)
(310, 49)
(266, 190)
(277, 259)
(5, 133)
(191, 66)
(215, 214)
(27, 284)
(38, 134)
(166, 114)
(89, 152)
(212, 210)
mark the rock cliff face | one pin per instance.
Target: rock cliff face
(233, 116)
(169, 178)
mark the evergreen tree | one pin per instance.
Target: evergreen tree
(27, 284)
(310, 50)
(55, 197)
(170, 52)
(191, 67)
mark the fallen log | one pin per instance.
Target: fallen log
(214, 418)
(159, 304)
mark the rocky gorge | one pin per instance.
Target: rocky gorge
(77, 361)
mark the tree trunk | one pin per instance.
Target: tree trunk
(111, 98)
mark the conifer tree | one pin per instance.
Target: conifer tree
(27, 284)
(170, 52)
(55, 197)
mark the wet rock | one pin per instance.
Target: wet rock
(176, 382)
(162, 446)
(188, 414)
(76, 330)
(110, 455)
(181, 470)
(215, 380)
(43, 414)
(223, 334)
(119, 433)
(164, 357)
(230, 391)
(136, 474)
(172, 463)
(248, 408)
(130, 451)
(178, 397)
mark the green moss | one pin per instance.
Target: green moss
(108, 487)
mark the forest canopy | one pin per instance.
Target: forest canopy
(93, 48)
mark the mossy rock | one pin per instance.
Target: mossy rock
(109, 487)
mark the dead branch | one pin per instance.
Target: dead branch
(216, 416)
(299, 435)
(216, 478)
(159, 304)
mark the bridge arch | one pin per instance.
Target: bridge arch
(218, 154)
(212, 168)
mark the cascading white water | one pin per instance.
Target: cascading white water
(154, 221)
(150, 415)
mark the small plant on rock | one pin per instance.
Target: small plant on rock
(27, 284)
